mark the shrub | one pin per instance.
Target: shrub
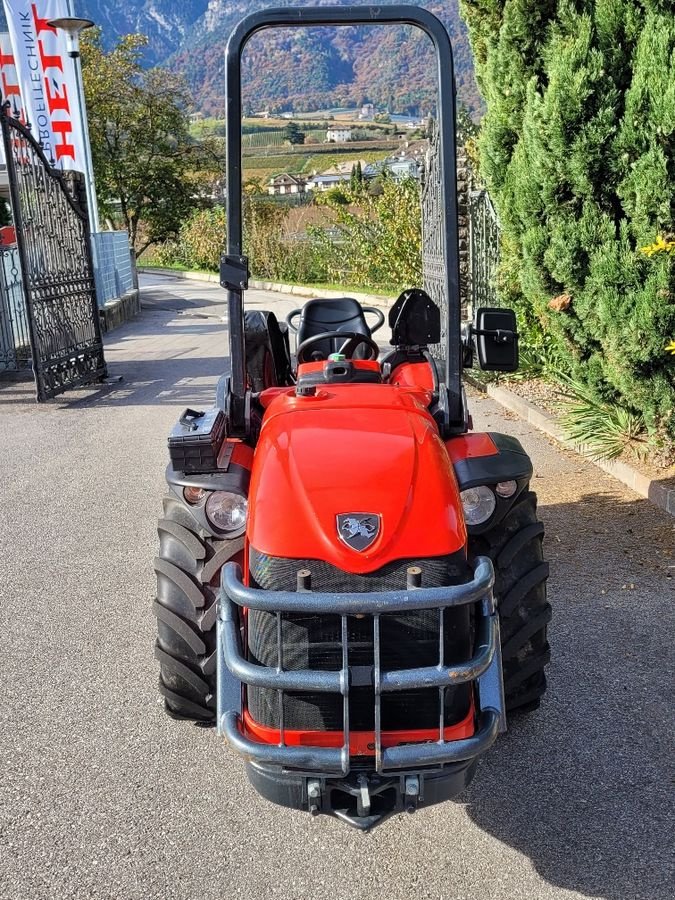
(578, 149)
(604, 429)
(202, 238)
(166, 253)
(380, 243)
(271, 255)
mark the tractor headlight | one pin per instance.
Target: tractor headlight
(506, 489)
(194, 495)
(227, 512)
(479, 503)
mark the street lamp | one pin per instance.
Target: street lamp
(73, 26)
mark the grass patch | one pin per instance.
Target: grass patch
(323, 161)
(265, 167)
(284, 162)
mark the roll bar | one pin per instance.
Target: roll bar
(234, 264)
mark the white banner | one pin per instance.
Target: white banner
(46, 78)
(9, 80)
(9, 84)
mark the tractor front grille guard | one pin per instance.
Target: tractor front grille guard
(484, 668)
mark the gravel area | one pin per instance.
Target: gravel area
(103, 796)
(543, 394)
(551, 399)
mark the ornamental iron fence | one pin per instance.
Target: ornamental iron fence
(484, 238)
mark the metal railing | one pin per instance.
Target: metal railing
(484, 241)
(113, 265)
(433, 248)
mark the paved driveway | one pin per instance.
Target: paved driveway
(103, 796)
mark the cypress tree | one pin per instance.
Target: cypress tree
(578, 150)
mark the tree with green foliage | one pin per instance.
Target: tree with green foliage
(380, 235)
(148, 170)
(356, 178)
(293, 134)
(578, 151)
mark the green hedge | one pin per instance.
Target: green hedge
(578, 149)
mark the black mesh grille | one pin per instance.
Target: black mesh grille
(314, 642)
(274, 573)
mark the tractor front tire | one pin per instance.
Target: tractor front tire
(515, 548)
(187, 570)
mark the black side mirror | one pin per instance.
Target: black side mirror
(495, 334)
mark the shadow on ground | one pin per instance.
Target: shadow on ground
(181, 381)
(169, 373)
(159, 298)
(582, 786)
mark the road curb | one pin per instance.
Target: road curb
(277, 287)
(322, 293)
(178, 273)
(118, 312)
(654, 491)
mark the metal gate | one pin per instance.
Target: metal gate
(483, 245)
(54, 250)
(433, 247)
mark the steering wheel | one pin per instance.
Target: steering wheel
(352, 339)
(296, 313)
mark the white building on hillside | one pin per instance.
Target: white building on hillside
(342, 172)
(325, 182)
(338, 135)
(287, 184)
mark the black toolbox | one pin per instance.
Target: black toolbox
(195, 442)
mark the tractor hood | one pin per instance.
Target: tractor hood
(356, 476)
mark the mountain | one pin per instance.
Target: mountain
(303, 69)
(166, 23)
(313, 68)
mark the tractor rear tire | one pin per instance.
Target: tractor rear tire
(515, 548)
(187, 570)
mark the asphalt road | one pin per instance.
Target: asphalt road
(101, 795)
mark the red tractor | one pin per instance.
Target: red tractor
(351, 585)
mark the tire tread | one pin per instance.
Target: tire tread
(515, 547)
(185, 608)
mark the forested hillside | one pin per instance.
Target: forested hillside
(305, 69)
(314, 68)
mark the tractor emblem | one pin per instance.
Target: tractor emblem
(358, 530)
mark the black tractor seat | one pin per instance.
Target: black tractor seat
(340, 314)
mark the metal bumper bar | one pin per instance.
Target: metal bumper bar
(354, 604)
(484, 668)
(335, 760)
